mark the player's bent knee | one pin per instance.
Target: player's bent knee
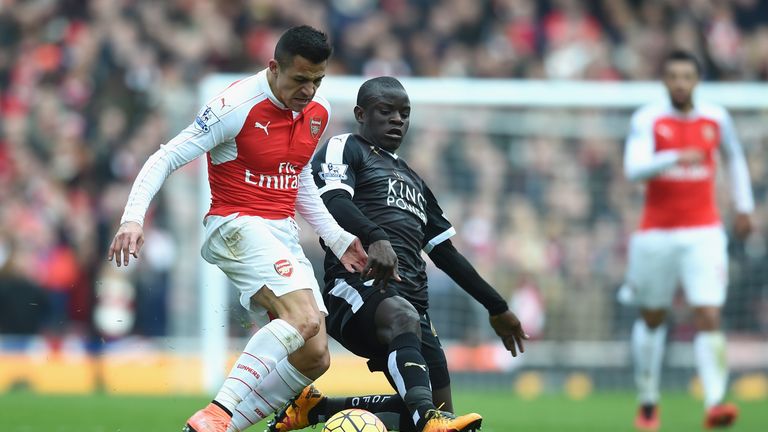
(395, 317)
(405, 321)
(308, 325)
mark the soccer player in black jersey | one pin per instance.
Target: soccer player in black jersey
(375, 195)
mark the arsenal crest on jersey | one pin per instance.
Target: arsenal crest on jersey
(284, 268)
(315, 124)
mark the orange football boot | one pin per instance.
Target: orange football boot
(647, 418)
(442, 421)
(721, 416)
(209, 419)
(295, 414)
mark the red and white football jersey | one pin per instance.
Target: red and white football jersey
(264, 146)
(256, 151)
(680, 196)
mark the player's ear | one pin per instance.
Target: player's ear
(273, 66)
(359, 114)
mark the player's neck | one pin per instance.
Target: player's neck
(684, 108)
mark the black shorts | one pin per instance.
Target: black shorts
(350, 320)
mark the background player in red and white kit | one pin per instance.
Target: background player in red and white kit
(258, 136)
(673, 147)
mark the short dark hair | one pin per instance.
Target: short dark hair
(372, 88)
(305, 41)
(683, 55)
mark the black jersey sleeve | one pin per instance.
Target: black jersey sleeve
(438, 229)
(454, 264)
(349, 217)
(335, 163)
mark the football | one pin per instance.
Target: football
(354, 420)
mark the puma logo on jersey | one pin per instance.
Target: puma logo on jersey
(423, 367)
(261, 126)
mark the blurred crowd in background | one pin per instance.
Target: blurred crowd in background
(89, 89)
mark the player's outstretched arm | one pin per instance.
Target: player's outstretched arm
(128, 241)
(504, 322)
(169, 157)
(206, 132)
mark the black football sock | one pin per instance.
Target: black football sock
(408, 369)
(322, 411)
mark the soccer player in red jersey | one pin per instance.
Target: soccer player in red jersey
(258, 136)
(673, 147)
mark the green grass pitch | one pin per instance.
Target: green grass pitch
(24, 412)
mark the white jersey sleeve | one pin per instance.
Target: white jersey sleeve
(210, 128)
(311, 207)
(641, 161)
(741, 188)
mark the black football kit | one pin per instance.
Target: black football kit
(375, 195)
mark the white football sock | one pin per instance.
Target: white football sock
(270, 344)
(709, 348)
(648, 352)
(275, 390)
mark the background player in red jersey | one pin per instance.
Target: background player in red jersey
(373, 193)
(673, 147)
(258, 136)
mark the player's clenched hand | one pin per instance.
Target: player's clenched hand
(382, 264)
(127, 241)
(509, 329)
(355, 257)
(742, 225)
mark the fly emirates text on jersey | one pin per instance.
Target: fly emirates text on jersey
(285, 179)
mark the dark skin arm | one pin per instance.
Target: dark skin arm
(382, 259)
(742, 225)
(504, 322)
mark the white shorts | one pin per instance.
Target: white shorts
(695, 258)
(255, 252)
